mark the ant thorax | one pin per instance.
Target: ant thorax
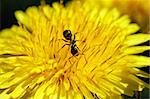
(73, 42)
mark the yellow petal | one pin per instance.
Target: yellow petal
(93, 87)
(55, 95)
(66, 84)
(6, 33)
(136, 61)
(51, 89)
(139, 72)
(8, 83)
(22, 17)
(47, 11)
(132, 28)
(40, 91)
(5, 76)
(5, 96)
(20, 31)
(63, 93)
(85, 91)
(33, 13)
(77, 96)
(136, 39)
(140, 82)
(18, 92)
(123, 21)
(136, 49)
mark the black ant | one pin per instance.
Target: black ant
(72, 43)
(68, 36)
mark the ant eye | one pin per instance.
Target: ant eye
(67, 34)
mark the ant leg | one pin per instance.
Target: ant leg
(84, 58)
(63, 46)
(72, 57)
(78, 48)
(63, 40)
(74, 37)
(83, 55)
(75, 33)
(78, 40)
(81, 40)
(69, 60)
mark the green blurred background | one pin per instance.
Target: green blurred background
(7, 19)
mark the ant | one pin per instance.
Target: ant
(68, 36)
(72, 43)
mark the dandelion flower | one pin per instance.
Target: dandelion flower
(34, 65)
(138, 10)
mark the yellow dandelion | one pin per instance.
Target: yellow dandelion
(35, 63)
(138, 10)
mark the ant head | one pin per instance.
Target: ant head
(67, 34)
